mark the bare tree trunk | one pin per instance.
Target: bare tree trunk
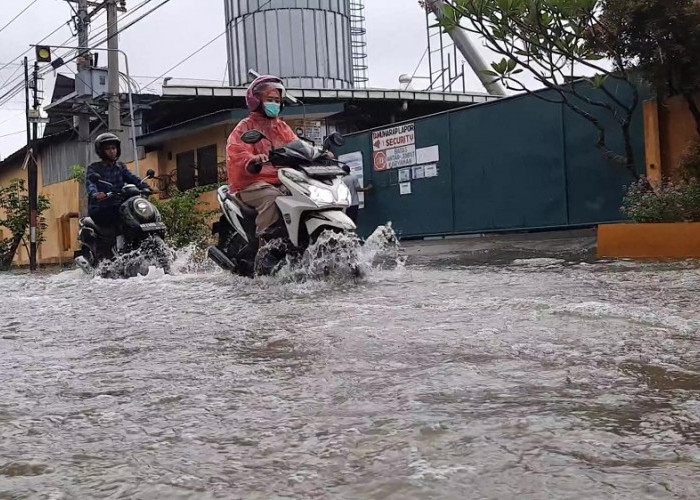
(629, 150)
(6, 259)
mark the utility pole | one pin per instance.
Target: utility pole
(32, 186)
(29, 160)
(32, 176)
(26, 101)
(114, 119)
(83, 118)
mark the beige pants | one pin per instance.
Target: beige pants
(261, 196)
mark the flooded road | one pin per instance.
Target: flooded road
(538, 379)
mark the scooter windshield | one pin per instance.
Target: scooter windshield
(302, 150)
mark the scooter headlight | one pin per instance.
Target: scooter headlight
(321, 196)
(144, 209)
(344, 195)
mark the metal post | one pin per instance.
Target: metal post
(32, 180)
(131, 113)
(83, 118)
(430, 48)
(114, 120)
(462, 42)
(26, 101)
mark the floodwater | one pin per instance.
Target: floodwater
(539, 379)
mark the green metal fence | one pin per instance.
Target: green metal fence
(515, 164)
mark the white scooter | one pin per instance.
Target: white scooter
(316, 203)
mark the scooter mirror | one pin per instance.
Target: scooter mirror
(335, 139)
(150, 173)
(252, 137)
(94, 177)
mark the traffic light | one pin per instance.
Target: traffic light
(43, 53)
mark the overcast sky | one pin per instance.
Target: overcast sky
(396, 38)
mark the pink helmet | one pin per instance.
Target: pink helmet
(261, 83)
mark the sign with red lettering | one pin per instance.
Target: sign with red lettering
(397, 146)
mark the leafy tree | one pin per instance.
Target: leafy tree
(186, 224)
(14, 202)
(659, 37)
(78, 173)
(550, 41)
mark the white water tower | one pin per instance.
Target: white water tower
(309, 43)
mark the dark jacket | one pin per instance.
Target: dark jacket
(117, 174)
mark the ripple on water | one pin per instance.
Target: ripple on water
(533, 380)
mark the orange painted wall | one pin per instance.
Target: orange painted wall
(64, 199)
(164, 161)
(64, 195)
(669, 130)
(678, 240)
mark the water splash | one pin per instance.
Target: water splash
(345, 257)
(153, 253)
(193, 259)
(382, 249)
(333, 257)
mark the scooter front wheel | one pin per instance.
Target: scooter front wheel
(162, 255)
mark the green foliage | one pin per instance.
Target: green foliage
(78, 173)
(689, 164)
(671, 202)
(661, 38)
(186, 224)
(550, 41)
(14, 202)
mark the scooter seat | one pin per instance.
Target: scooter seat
(247, 211)
(105, 231)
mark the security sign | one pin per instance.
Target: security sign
(394, 147)
(380, 160)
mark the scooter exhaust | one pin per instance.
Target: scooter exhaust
(221, 259)
(83, 264)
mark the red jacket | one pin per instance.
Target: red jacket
(239, 154)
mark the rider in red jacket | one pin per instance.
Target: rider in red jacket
(256, 183)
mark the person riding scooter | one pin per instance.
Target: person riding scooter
(104, 210)
(255, 183)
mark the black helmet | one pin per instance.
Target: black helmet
(104, 139)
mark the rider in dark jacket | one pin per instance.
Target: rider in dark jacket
(104, 210)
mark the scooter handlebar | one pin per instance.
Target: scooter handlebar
(112, 194)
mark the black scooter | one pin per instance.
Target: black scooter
(140, 226)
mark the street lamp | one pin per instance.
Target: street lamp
(128, 83)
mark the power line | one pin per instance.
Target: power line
(30, 48)
(123, 28)
(21, 12)
(14, 133)
(418, 66)
(98, 43)
(19, 67)
(188, 57)
(262, 6)
(12, 117)
(102, 29)
(19, 86)
(223, 78)
(5, 98)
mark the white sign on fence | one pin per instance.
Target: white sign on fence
(394, 147)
